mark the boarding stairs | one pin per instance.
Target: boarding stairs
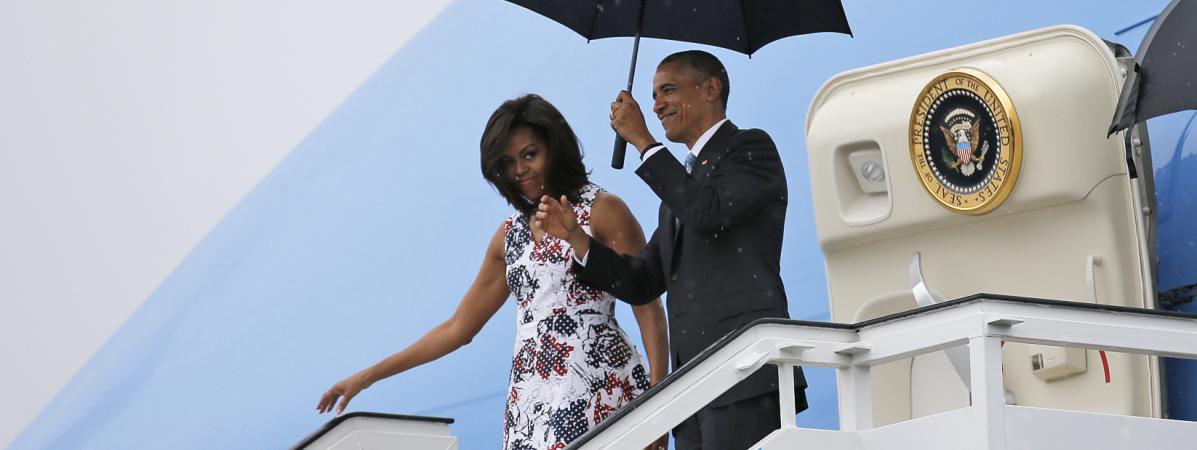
(980, 323)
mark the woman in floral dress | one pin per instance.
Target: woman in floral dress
(573, 365)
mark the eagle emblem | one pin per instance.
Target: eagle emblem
(962, 135)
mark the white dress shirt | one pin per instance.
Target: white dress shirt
(695, 150)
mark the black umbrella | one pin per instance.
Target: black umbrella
(1165, 76)
(740, 25)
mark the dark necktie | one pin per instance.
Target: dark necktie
(690, 158)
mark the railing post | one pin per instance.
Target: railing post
(785, 389)
(856, 397)
(988, 392)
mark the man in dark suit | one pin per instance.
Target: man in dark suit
(717, 246)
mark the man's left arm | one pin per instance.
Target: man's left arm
(743, 181)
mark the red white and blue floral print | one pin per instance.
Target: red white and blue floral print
(573, 365)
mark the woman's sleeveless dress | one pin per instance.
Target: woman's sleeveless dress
(573, 365)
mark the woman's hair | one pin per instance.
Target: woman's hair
(564, 172)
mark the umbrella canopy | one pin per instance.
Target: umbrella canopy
(1165, 76)
(743, 26)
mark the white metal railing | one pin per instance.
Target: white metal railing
(377, 431)
(981, 322)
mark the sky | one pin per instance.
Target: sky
(128, 130)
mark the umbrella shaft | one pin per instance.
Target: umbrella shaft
(636, 45)
(620, 144)
(632, 69)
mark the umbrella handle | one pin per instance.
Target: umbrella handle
(621, 147)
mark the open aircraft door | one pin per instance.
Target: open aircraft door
(986, 168)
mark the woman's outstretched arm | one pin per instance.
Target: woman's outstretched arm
(479, 304)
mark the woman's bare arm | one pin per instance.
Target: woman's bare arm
(614, 225)
(485, 296)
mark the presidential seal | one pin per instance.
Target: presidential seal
(966, 141)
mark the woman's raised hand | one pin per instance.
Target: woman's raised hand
(557, 218)
(345, 389)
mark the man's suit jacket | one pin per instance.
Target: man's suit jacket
(716, 249)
